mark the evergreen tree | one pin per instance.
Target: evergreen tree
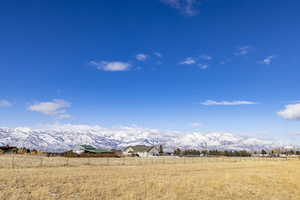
(161, 150)
(177, 152)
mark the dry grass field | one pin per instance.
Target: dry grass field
(218, 179)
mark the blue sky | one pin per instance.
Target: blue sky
(210, 65)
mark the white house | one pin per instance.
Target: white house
(141, 151)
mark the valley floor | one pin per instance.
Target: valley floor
(222, 180)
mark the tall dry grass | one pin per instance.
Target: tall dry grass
(220, 180)
(26, 161)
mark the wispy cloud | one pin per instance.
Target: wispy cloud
(56, 108)
(188, 61)
(290, 112)
(244, 50)
(113, 66)
(196, 124)
(185, 7)
(225, 61)
(5, 103)
(202, 66)
(194, 61)
(206, 57)
(141, 57)
(157, 54)
(64, 116)
(226, 103)
(267, 61)
(295, 133)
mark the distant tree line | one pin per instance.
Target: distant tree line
(229, 153)
(194, 152)
(15, 150)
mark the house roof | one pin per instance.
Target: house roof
(140, 148)
(92, 149)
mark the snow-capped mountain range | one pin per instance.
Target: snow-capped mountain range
(57, 138)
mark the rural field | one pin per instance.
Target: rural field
(150, 179)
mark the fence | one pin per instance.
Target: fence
(29, 161)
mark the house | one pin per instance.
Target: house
(90, 149)
(141, 151)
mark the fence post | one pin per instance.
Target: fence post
(41, 162)
(13, 162)
(67, 161)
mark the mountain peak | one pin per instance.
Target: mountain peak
(65, 137)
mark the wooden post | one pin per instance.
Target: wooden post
(41, 162)
(145, 188)
(67, 161)
(13, 162)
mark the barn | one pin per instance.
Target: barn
(90, 149)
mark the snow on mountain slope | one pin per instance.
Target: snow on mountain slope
(65, 137)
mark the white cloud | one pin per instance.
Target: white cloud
(185, 7)
(141, 57)
(112, 66)
(193, 61)
(56, 108)
(203, 66)
(206, 57)
(267, 61)
(188, 61)
(196, 124)
(5, 103)
(157, 54)
(64, 116)
(290, 112)
(295, 133)
(241, 51)
(226, 103)
(225, 61)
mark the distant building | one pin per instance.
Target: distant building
(89, 149)
(141, 151)
(117, 152)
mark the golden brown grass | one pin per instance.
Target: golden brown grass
(223, 179)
